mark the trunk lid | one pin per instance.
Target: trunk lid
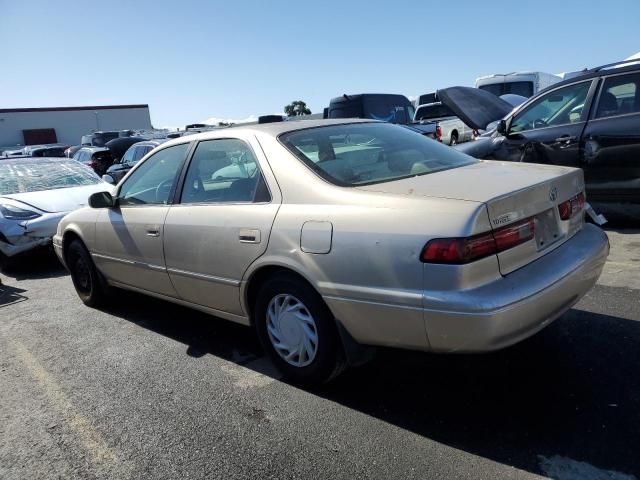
(512, 192)
(477, 108)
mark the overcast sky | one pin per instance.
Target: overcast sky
(197, 60)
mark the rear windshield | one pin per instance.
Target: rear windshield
(28, 176)
(437, 110)
(524, 89)
(366, 153)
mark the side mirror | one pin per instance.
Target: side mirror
(108, 178)
(502, 127)
(101, 200)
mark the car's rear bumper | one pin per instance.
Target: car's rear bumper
(515, 307)
(489, 317)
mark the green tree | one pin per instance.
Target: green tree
(296, 108)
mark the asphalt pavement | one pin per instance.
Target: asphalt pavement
(146, 389)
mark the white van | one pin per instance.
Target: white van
(526, 84)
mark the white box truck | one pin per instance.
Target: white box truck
(526, 84)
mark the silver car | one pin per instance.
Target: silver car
(35, 193)
(332, 235)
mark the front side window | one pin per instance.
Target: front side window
(366, 153)
(560, 107)
(620, 95)
(151, 183)
(224, 170)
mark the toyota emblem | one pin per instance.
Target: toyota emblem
(553, 194)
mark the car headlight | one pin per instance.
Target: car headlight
(11, 212)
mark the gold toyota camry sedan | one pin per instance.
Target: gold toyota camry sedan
(332, 236)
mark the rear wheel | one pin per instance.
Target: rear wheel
(84, 275)
(454, 139)
(298, 331)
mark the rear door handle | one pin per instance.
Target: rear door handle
(249, 235)
(565, 138)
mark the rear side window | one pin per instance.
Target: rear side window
(620, 96)
(224, 171)
(140, 152)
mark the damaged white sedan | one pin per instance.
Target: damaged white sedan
(35, 193)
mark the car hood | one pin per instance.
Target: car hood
(478, 182)
(59, 200)
(477, 108)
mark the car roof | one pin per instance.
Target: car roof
(94, 149)
(602, 71)
(154, 142)
(274, 129)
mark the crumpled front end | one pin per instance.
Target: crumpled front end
(21, 236)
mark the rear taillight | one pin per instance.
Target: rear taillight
(465, 250)
(93, 164)
(571, 207)
(439, 133)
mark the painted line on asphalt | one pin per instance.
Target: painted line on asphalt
(91, 440)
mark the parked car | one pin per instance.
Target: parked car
(331, 235)
(526, 84)
(13, 153)
(118, 146)
(100, 138)
(44, 150)
(134, 153)
(452, 129)
(51, 151)
(98, 158)
(71, 151)
(591, 121)
(35, 193)
(386, 107)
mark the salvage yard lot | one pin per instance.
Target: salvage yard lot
(146, 389)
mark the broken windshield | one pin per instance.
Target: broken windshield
(20, 176)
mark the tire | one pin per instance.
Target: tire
(453, 140)
(86, 279)
(320, 361)
(6, 263)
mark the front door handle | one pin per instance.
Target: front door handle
(565, 138)
(152, 230)
(249, 235)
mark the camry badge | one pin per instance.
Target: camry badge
(553, 194)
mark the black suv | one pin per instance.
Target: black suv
(591, 121)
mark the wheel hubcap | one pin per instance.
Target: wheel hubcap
(83, 278)
(292, 330)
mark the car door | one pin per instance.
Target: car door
(129, 248)
(611, 159)
(548, 130)
(221, 223)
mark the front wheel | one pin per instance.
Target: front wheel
(84, 275)
(298, 331)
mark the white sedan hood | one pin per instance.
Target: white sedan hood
(59, 200)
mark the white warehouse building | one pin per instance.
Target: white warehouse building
(33, 126)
